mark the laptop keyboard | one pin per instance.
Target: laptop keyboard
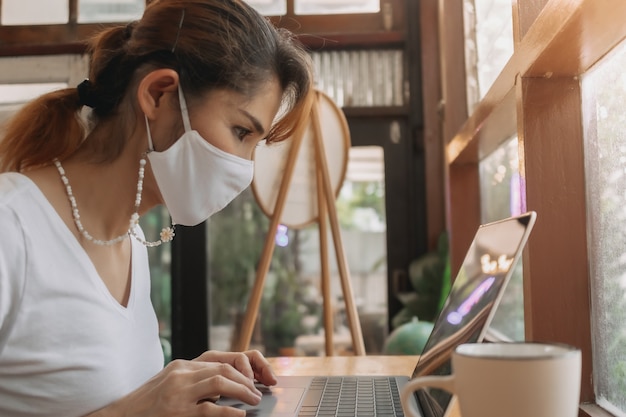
(352, 397)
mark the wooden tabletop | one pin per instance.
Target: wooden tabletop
(344, 365)
(347, 365)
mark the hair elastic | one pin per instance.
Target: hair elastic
(86, 96)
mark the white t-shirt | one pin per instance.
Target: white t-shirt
(67, 347)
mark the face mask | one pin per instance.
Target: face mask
(195, 178)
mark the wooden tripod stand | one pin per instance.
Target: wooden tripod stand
(326, 212)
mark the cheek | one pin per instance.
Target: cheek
(221, 138)
(225, 142)
(247, 150)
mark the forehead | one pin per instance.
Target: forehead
(263, 102)
(263, 93)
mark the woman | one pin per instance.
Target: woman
(178, 100)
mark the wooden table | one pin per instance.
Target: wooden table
(347, 365)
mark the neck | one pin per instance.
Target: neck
(103, 200)
(167, 234)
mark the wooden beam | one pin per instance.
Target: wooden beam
(556, 276)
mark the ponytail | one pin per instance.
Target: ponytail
(48, 127)
(51, 126)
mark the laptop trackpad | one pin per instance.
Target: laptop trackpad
(275, 402)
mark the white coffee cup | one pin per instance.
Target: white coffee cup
(508, 380)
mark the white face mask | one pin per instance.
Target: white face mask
(197, 179)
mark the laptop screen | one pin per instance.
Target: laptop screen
(472, 301)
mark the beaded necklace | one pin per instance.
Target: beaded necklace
(166, 235)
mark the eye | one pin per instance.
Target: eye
(241, 132)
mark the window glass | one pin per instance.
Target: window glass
(361, 78)
(13, 96)
(34, 12)
(336, 6)
(604, 99)
(109, 10)
(501, 196)
(290, 315)
(270, 7)
(488, 43)
(21, 93)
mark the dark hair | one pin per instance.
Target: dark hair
(210, 43)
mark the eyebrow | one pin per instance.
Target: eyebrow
(255, 122)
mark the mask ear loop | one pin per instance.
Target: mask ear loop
(150, 145)
(183, 109)
(185, 115)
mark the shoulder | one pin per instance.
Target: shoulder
(13, 257)
(13, 187)
(12, 184)
(15, 198)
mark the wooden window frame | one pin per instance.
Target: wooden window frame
(315, 31)
(538, 96)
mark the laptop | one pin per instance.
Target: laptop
(464, 318)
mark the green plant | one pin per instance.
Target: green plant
(235, 237)
(284, 306)
(429, 276)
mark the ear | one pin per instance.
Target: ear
(152, 89)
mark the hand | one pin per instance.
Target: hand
(251, 363)
(190, 388)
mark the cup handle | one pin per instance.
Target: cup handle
(442, 382)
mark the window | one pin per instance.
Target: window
(270, 7)
(316, 7)
(45, 12)
(13, 96)
(501, 196)
(109, 11)
(34, 12)
(361, 78)
(570, 159)
(488, 44)
(50, 26)
(336, 6)
(605, 152)
(25, 78)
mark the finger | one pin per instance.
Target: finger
(196, 371)
(223, 386)
(223, 370)
(238, 360)
(262, 369)
(241, 362)
(206, 408)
